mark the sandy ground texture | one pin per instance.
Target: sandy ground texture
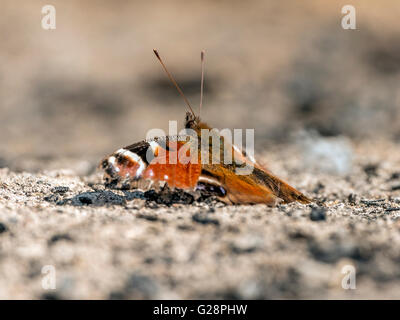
(113, 244)
(324, 104)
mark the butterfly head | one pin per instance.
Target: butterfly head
(193, 122)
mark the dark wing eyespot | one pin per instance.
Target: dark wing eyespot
(211, 189)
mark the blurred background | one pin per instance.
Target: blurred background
(281, 67)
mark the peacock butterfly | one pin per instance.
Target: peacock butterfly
(148, 163)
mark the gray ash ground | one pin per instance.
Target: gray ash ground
(129, 244)
(103, 89)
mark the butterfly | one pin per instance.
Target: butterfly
(148, 164)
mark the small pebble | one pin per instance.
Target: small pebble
(3, 228)
(318, 214)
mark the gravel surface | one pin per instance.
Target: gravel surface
(113, 244)
(324, 103)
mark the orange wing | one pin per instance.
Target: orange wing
(175, 165)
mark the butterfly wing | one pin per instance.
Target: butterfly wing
(175, 164)
(236, 189)
(153, 161)
(258, 185)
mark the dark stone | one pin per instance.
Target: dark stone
(203, 218)
(371, 170)
(332, 251)
(352, 198)
(395, 176)
(319, 187)
(169, 197)
(185, 227)
(151, 195)
(3, 228)
(60, 190)
(86, 199)
(60, 237)
(52, 198)
(300, 235)
(134, 195)
(97, 198)
(318, 214)
(147, 217)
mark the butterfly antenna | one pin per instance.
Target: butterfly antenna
(173, 81)
(202, 81)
